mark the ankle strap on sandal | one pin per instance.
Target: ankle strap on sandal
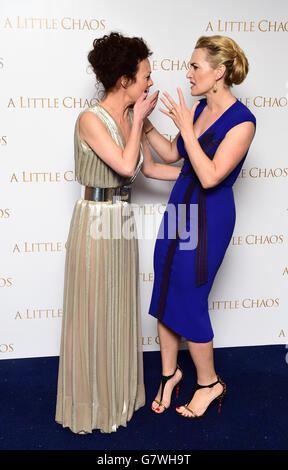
(164, 380)
(167, 377)
(210, 385)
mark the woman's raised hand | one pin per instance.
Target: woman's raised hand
(179, 113)
(144, 105)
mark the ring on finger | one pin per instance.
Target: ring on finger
(171, 110)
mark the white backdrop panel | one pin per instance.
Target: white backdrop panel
(46, 82)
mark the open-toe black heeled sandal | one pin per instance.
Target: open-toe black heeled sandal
(198, 387)
(164, 380)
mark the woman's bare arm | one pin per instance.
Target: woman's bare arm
(166, 150)
(93, 133)
(229, 153)
(152, 169)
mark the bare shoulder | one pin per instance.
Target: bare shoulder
(244, 130)
(88, 118)
(91, 125)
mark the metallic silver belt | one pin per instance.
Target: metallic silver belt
(106, 194)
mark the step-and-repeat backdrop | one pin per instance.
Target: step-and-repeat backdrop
(45, 82)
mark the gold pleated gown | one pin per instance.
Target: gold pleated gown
(100, 379)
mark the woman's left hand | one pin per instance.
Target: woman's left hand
(179, 113)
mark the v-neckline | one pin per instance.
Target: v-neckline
(213, 123)
(115, 122)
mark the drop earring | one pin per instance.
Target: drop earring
(215, 87)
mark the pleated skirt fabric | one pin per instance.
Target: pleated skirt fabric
(100, 379)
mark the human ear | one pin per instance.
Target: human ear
(221, 69)
(125, 81)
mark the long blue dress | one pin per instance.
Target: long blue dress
(185, 264)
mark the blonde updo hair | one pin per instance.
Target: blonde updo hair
(224, 50)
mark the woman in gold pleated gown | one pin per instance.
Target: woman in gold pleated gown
(100, 379)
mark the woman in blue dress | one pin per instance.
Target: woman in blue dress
(214, 138)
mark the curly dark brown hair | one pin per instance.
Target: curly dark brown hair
(115, 55)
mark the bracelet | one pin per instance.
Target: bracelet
(151, 129)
